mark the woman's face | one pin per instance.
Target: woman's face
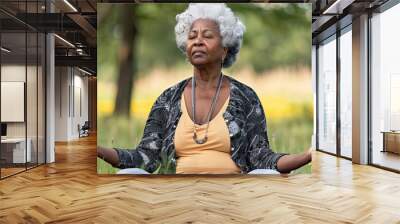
(204, 44)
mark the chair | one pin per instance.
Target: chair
(84, 130)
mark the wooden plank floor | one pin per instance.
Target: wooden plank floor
(70, 191)
(10, 171)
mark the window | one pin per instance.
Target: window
(22, 75)
(346, 92)
(327, 95)
(385, 88)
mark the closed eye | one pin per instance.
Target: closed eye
(208, 34)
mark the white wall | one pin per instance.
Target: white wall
(80, 109)
(71, 94)
(62, 81)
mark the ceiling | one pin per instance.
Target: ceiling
(74, 22)
(326, 14)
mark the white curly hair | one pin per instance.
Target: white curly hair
(230, 27)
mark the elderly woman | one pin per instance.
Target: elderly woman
(209, 123)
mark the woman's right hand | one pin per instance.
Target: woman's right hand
(108, 155)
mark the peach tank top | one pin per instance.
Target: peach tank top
(212, 157)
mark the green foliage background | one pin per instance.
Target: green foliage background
(277, 35)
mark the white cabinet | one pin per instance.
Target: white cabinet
(18, 149)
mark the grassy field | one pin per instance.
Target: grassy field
(290, 136)
(286, 98)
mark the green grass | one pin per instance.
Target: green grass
(117, 132)
(289, 136)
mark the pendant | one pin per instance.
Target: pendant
(199, 141)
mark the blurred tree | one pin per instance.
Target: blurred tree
(126, 57)
(157, 46)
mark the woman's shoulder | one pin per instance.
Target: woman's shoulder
(246, 97)
(177, 86)
(173, 91)
(240, 89)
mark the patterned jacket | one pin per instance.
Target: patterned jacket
(244, 117)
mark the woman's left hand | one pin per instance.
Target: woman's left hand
(288, 163)
(308, 153)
